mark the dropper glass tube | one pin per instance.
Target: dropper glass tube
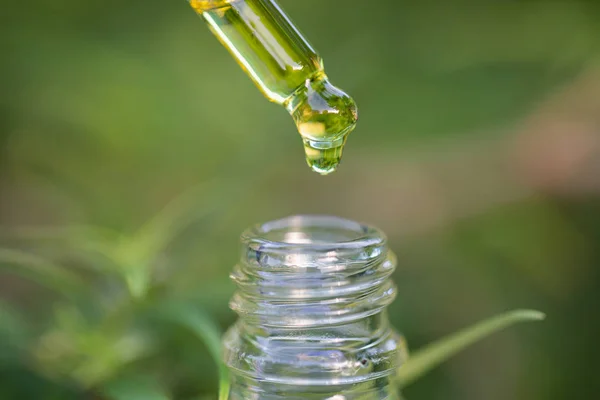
(288, 71)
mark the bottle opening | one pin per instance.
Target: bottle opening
(312, 293)
(314, 232)
(318, 265)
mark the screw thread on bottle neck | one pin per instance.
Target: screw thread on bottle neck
(311, 297)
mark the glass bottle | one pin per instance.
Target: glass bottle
(312, 293)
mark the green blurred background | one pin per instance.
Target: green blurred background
(134, 151)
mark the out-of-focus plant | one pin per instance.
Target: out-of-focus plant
(110, 308)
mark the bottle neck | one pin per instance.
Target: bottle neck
(311, 297)
(305, 288)
(354, 333)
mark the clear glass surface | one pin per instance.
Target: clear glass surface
(312, 292)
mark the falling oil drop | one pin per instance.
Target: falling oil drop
(324, 116)
(324, 157)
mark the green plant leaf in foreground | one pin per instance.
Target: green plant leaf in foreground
(436, 353)
(205, 328)
(136, 253)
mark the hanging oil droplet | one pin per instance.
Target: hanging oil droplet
(325, 116)
(288, 71)
(323, 157)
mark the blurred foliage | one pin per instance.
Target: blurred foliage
(425, 359)
(92, 342)
(109, 111)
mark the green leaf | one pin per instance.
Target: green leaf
(194, 204)
(207, 330)
(41, 271)
(135, 254)
(436, 353)
(134, 388)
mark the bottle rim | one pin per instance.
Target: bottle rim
(313, 233)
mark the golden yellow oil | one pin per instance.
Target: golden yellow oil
(287, 70)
